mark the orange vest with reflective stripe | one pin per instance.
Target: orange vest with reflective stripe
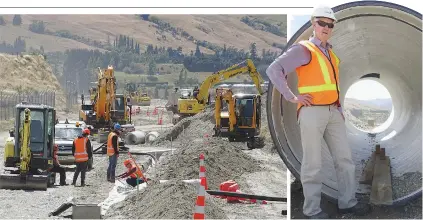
(81, 154)
(110, 149)
(137, 173)
(319, 78)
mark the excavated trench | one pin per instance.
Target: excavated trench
(374, 40)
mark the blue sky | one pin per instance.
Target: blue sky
(357, 91)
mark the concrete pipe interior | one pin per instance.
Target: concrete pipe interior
(371, 38)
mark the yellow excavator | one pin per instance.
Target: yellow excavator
(242, 121)
(189, 106)
(28, 152)
(107, 107)
(140, 98)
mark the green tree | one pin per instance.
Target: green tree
(151, 67)
(253, 51)
(2, 21)
(17, 20)
(37, 27)
(197, 51)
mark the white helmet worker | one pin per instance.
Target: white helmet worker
(323, 11)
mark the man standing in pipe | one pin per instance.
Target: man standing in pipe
(319, 113)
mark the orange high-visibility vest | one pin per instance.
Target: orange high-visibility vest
(137, 173)
(81, 154)
(319, 78)
(110, 149)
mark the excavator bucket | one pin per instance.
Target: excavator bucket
(29, 182)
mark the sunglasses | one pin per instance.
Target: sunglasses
(324, 24)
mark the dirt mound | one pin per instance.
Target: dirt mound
(223, 161)
(170, 200)
(196, 124)
(28, 73)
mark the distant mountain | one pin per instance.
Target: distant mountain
(380, 104)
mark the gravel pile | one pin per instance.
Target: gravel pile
(170, 200)
(195, 123)
(223, 161)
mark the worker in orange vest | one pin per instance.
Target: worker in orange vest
(134, 173)
(319, 114)
(113, 152)
(82, 151)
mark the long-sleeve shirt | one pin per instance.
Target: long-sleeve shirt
(115, 144)
(297, 55)
(87, 147)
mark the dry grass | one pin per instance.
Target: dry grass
(50, 43)
(174, 70)
(221, 29)
(28, 73)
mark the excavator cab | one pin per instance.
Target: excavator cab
(242, 121)
(28, 152)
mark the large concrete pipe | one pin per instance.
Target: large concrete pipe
(135, 137)
(372, 39)
(151, 136)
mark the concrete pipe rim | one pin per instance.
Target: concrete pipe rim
(279, 132)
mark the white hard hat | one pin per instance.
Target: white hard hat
(323, 11)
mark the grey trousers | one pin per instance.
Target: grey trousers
(317, 122)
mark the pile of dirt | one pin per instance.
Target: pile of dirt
(170, 200)
(192, 125)
(27, 74)
(264, 132)
(223, 161)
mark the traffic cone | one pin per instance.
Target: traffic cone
(160, 121)
(203, 171)
(199, 211)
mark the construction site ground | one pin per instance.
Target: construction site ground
(258, 171)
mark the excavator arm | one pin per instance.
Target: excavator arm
(243, 67)
(104, 100)
(25, 151)
(225, 95)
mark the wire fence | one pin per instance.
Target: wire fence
(8, 101)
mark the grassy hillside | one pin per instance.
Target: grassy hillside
(170, 73)
(164, 30)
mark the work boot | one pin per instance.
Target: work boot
(73, 183)
(320, 215)
(360, 209)
(64, 184)
(82, 184)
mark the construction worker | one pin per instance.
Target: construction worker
(113, 152)
(57, 168)
(82, 151)
(319, 114)
(134, 173)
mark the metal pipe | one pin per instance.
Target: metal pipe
(246, 196)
